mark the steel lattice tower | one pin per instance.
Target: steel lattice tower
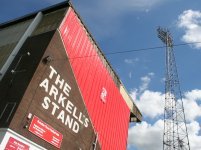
(175, 135)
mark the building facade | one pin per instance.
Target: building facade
(57, 90)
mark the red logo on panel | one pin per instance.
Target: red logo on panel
(46, 132)
(103, 95)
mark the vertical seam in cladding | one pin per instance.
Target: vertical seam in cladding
(69, 32)
(72, 39)
(91, 100)
(102, 113)
(78, 61)
(87, 59)
(96, 115)
(91, 97)
(86, 78)
(75, 49)
(75, 32)
(83, 64)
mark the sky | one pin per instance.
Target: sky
(130, 25)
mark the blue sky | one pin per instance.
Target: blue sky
(126, 25)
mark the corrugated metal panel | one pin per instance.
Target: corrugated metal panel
(9, 37)
(111, 118)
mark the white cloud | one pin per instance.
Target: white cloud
(104, 13)
(150, 103)
(117, 7)
(131, 61)
(193, 95)
(145, 136)
(190, 21)
(134, 94)
(194, 137)
(192, 109)
(151, 74)
(120, 6)
(191, 106)
(132, 5)
(145, 82)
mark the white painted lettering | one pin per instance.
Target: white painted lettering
(61, 116)
(69, 121)
(53, 71)
(55, 107)
(74, 112)
(46, 102)
(61, 100)
(59, 81)
(45, 84)
(86, 122)
(69, 107)
(54, 92)
(75, 127)
(58, 104)
(80, 118)
(66, 89)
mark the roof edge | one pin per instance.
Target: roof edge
(33, 14)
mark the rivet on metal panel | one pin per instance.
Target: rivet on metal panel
(27, 121)
(29, 116)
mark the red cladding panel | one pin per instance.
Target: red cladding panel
(106, 107)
